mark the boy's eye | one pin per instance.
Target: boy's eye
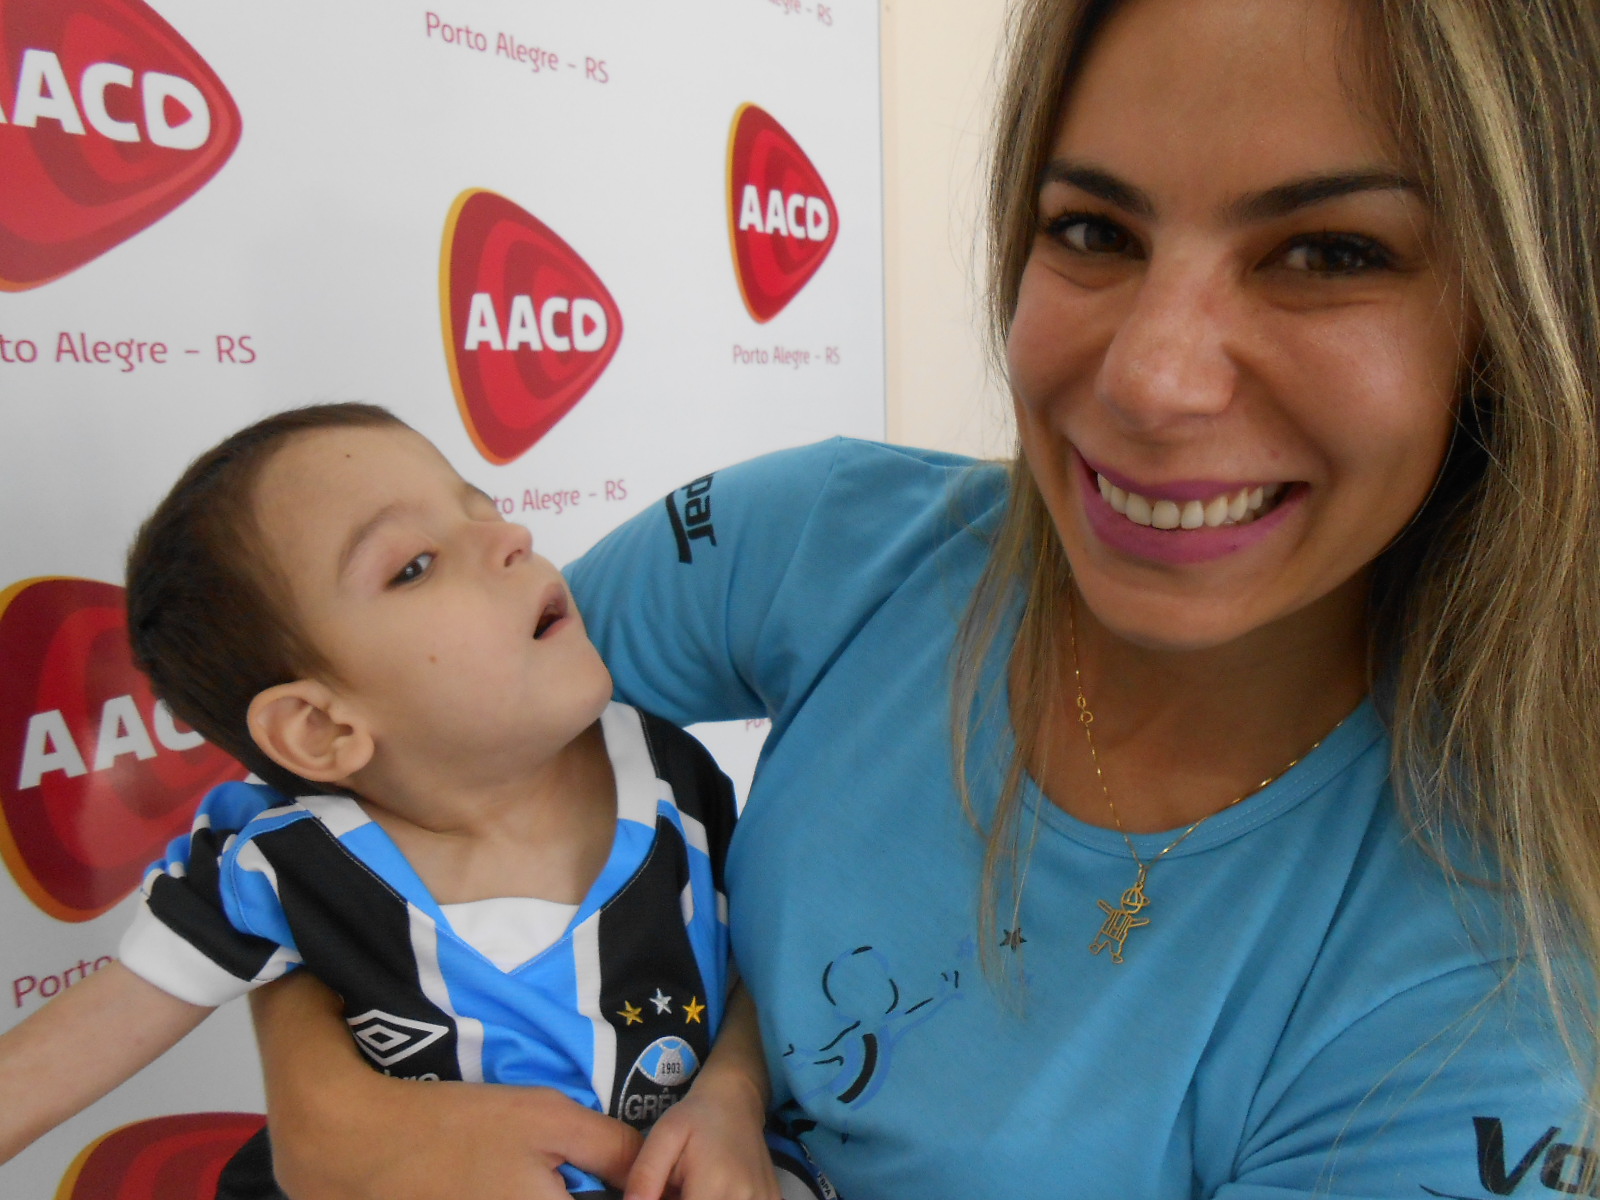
(1336, 254)
(1089, 234)
(413, 570)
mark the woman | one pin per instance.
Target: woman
(1299, 311)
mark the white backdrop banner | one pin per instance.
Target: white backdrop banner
(593, 249)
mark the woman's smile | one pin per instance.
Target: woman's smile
(1186, 521)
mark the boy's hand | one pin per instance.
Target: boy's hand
(708, 1146)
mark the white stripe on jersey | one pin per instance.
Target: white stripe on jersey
(586, 969)
(638, 789)
(686, 902)
(695, 833)
(282, 959)
(170, 961)
(340, 814)
(250, 858)
(469, 1031)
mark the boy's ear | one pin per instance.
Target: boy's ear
(293, 725)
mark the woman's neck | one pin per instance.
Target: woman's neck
(1180, 734)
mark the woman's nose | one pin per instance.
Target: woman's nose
(1169, 359)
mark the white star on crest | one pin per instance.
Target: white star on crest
(663, 1003)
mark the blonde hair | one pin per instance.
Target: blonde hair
(1486, 615)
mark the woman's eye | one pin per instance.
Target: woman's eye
(1090, 235)
(1336, 254)
(413, 570)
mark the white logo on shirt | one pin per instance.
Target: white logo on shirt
(386, 1038)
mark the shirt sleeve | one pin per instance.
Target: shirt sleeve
(1489, 1106)
(730, 597)
(184, 939)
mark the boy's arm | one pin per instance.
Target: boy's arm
(92, 1037)
(710, 1145)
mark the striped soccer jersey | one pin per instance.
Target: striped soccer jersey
(618, 1014)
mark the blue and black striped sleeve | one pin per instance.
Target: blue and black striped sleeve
(182, 939)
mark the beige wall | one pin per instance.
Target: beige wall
(938, 59)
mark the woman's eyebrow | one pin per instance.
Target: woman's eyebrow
(1098, 183)
(1285, 198)
(1269, 204)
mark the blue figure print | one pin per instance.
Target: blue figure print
(873, 1017)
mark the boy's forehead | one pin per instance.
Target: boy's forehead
(353, 465)
(323, 483)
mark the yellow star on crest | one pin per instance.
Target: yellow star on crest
(692, 1010)
(634, 1016)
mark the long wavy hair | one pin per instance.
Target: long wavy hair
(1486, 613)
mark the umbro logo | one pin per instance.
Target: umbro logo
(386, 1038)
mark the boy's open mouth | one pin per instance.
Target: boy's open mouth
(555, 608)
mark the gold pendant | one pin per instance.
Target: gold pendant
(1121, 921)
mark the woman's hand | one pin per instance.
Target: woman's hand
(708, 1146)
(342, 1131)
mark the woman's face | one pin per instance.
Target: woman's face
(1239, 336)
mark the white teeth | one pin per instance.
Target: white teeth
(1229, 508)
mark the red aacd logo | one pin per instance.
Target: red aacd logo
(528, 326)
(95, 776)
(781, 219)
(108, 121)
(165, 1158)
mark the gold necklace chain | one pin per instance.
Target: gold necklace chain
(1123, 919)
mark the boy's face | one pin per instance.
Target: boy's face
(458, 646)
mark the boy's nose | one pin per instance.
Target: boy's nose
(513, 542)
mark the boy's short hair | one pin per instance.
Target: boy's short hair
(209, 614)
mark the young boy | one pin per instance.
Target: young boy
(504, 875)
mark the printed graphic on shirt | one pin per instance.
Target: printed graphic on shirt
(528, 326)
(689, 512)
(96, 776)
(871, 1012)
(109, 120)
(386, 1038)
(659, 1079)
(782, 220)
(1562, 1168)
(159, 1159)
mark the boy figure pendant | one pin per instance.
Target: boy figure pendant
(1120, 921)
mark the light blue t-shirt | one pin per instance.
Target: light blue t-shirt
(1305, 1014)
